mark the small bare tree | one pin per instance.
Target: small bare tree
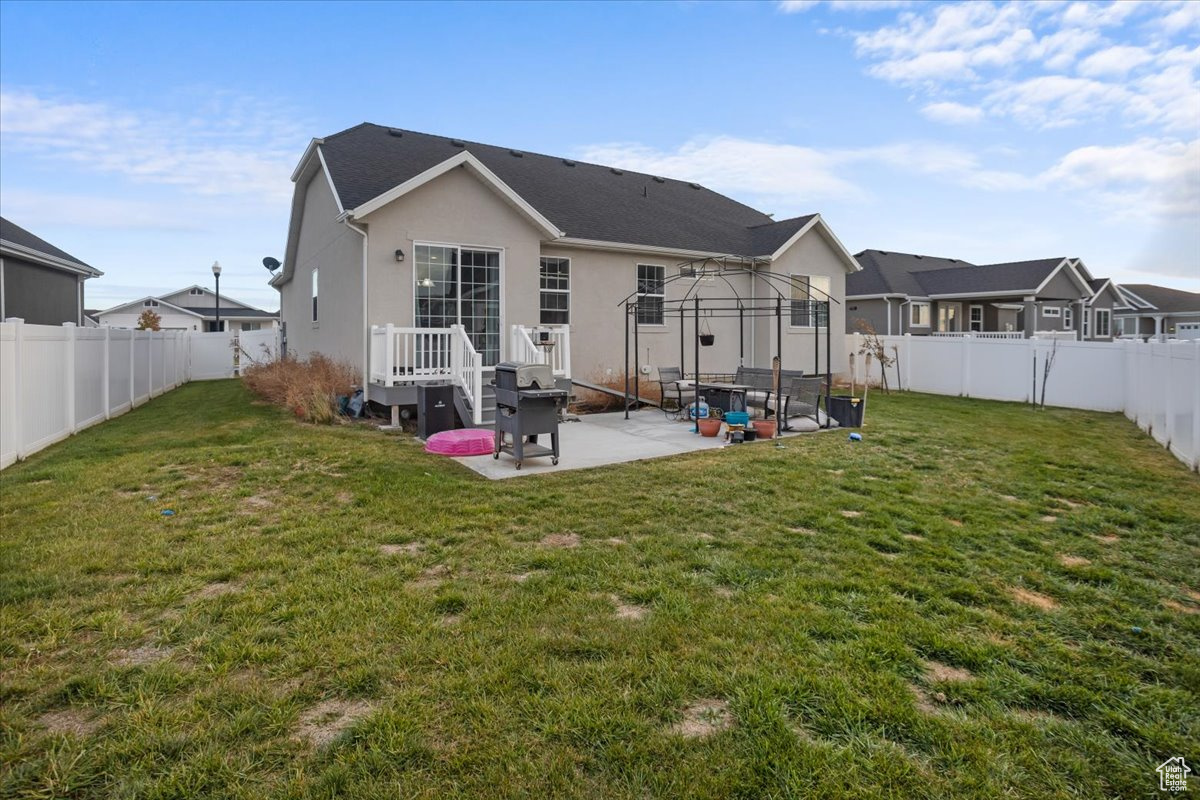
(1048, 365)
(149, 321)
(874, 347)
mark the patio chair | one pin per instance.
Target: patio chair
(675, 398)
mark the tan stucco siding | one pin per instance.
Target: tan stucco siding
(600, 282)
(812, 254)
(336, 251)
(454, 209)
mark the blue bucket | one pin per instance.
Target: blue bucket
(737, 418)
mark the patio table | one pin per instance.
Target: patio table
(725, 396)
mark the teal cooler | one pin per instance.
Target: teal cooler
(848, 411)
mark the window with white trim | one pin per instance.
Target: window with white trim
(1068, 318)
(1087, 318)
(651, 293)
(314, 294)
(555, 276)
(810, 300)
(976, 319)
(150, 304)
(1051, 311)
(1103, 322)
(196, 292)
(918, 315)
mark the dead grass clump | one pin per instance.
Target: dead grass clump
(591, 402)
(1175, 605)
(703, 718)
(937, 671)
(325, 721)
(215, 590)
(140, 657)
(1026, 597)
(561, 540)
(70, 721)
(1073, 561)
(410, 549)
(627, 611)
(309, 387)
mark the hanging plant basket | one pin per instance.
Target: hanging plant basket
(706, 336)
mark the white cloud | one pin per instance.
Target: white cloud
(794, 6)
(1055, 101)
(234, 149)
(1146, 178)
(953, 113)
(1116, 61)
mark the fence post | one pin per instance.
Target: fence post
(966, 365)
(70, 371)
(108, 400)
(18, 357)
(1168, 399)
(1196, 406)
(132, 357)
(908, 360)
(389, 354)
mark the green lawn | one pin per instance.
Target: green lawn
(978, 600)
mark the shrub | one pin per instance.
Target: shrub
(309, 388)
(590, 402)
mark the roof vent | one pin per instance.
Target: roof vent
(695, 185)
(516, 154)
(616, 171)
(918, 256)
(659, 180)
(458, 143)
(568, 162)
(395, 132)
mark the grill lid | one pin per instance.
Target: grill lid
(515, 375)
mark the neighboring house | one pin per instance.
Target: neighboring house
(426, 232)
(1149, 310)
(191, 309)
(898, 293)
(39, 283)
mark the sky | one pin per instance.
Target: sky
(150, 140)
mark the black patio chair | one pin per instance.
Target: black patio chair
(675, 398)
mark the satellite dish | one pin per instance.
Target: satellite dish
(271, 263)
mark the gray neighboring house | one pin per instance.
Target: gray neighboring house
(191, 309)
(39, 283)
(899, 293)
(1147, 310)
(428, 233)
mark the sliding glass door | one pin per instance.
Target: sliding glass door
(458, 285)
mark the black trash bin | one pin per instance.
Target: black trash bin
(848, 411)
(435, 409)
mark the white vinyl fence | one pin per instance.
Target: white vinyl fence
(1155, 384)
(58, 380)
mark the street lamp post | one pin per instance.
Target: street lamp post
(217, 274)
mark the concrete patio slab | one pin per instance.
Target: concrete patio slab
(597, 440)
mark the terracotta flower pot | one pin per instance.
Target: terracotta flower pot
(765, 428)
(709, 426)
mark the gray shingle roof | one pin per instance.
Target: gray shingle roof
(11, 232)
(586, 201)
(1018, 277)
(1164, 298)
(885, 272)
(231, 311)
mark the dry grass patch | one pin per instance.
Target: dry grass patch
(925, 702)
(1031, 598)
(958, 523)
(409, 549)
(804, 531)
(615, 541)
(560, 540)
(913, 537)
(1175, 605)
(703, 718)
(214, 590)
(723, 592)
(1010, 498)
(849, 514)
(936, 671)
(1049, 518)
(626, 610)
(521, 577)
(431, 578)
(139, 657)
(1062, 501)
(1106, 538)
(71, 721)
(326, 721)
(1073, 561)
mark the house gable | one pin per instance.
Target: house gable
(205, 299)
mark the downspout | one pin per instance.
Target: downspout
(366, 321)
(887, 301)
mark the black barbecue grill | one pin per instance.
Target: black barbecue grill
(527, 404)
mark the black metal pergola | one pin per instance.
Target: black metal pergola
(728, 307)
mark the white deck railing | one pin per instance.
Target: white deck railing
(420, 355)
(525, 347)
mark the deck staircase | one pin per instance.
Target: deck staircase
(466, 409)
